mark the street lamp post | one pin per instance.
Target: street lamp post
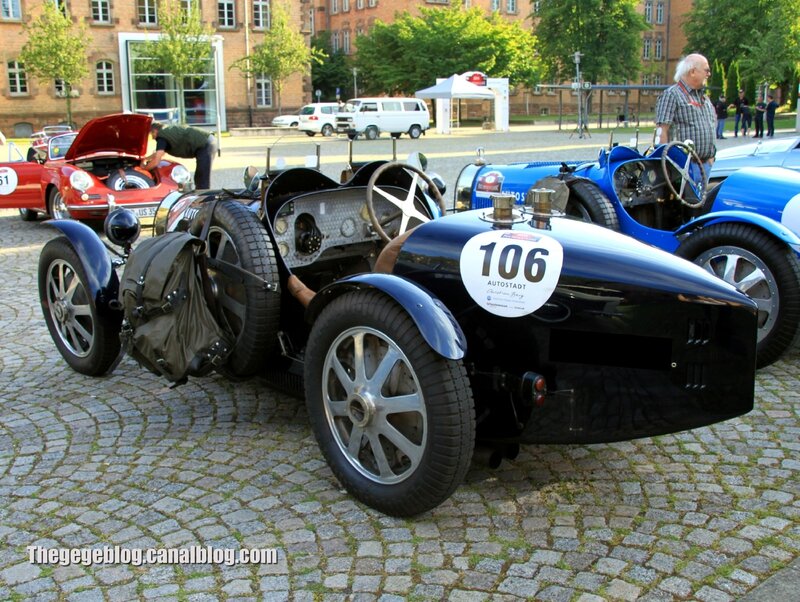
(581, 129)
(355, 82)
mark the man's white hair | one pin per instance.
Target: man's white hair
(685, 65)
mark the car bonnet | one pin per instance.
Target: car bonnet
(122, 133)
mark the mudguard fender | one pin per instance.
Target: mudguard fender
(103, 281)
(776, 229)
(433, 319)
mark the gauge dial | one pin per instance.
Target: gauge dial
(283, 249)
(281, 225)
(348, 227)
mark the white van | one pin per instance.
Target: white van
(372, 116)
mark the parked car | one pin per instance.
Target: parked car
(746, 231)
(373, 116)
(413, 335)
(770, 152)
(82, 175)
(286, 121)
(318, 118)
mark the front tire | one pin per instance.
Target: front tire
(588, 203)
(87, 341)
(415, 131)
(56, 206)
(394, 420)
(310, 134)
(28, 215)
(250, 312)
(761, 267)
(327, 130)
(371, 133)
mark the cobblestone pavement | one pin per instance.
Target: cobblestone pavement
(124, 460)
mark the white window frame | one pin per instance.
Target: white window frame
(345, 6)
(104, 78)
(11, 10)
(648, 11)
(660, 13)
(511, 7)
(146, 12)
(262, 14)
(346, 41)
(226, 14)
(263, 90)
(334, 7)
(658, 49)
(101, 11)
(17, 79)
(335, 41)
(646, 48)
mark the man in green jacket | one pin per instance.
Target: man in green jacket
(187, 143)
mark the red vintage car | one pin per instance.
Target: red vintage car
(84, 174)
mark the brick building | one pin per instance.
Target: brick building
(117, 80)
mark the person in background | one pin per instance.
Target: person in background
(772, 106)
(187, 143)
(747, 117)
(760, 107)
(684, 112)
(721, 108)
(737, 103)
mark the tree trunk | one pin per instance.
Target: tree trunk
(68, 95)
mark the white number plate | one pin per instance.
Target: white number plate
(144, 211)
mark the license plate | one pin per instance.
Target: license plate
(144, 211)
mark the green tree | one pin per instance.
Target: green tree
(763, 36)
(732, 81)
(282, 52)
(716, 83)
(56, 50)
(333, 72)
(412, 52)
(184, 48)
(608, 33)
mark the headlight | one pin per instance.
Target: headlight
(80, 180)
(180, 175)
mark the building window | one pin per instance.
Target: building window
(346, 41)
(345, 6)
(646, 48)
(658, 49)
(263, 90)
(261, 14)
(101, 11)
(648, 11)
(656, 80)
(61, 91)
(148, 15)
(536, 6)
(372, 3)
(511, 6)
(104, 76)
(335, 41)
(10, 10)
(359, 4)
(660, 13)
(312, 23)
(226, 15)
(334, 6)
(17, 82)
(61, 5)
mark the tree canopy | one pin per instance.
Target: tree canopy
(56, 50)
(412, 52)
(282, 52)
(762, 35)
(332, 72)
(184, 47)
(608, 33)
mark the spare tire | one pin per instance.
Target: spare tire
(129, 179)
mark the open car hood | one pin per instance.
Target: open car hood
(121, 133)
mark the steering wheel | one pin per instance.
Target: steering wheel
(407, 207)
(698, 188)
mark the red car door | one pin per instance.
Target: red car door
(21, 185)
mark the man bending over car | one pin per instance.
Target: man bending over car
(187, 143)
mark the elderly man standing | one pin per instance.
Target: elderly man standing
(684, 112)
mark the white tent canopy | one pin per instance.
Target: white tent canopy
(455, 86)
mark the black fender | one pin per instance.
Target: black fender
(434, 320)
(103, 281)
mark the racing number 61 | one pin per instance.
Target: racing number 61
(509, 261)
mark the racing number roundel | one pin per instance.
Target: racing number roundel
(511, 273)
(8, 180)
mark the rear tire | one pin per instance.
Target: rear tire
(398, 434)
(310, 134)
(587, 202)
(251, 313)
(414, 131)
(371, 133)
(87, 341)
(761, 267)
(327, 130)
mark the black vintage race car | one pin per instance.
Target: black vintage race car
(413, 335)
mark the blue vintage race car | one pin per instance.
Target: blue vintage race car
(745, 230)
(413, 336)
(774, 152)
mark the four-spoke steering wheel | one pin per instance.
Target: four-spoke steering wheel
(408, 207)
(698, 188)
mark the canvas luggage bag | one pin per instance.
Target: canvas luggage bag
(168, 326)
